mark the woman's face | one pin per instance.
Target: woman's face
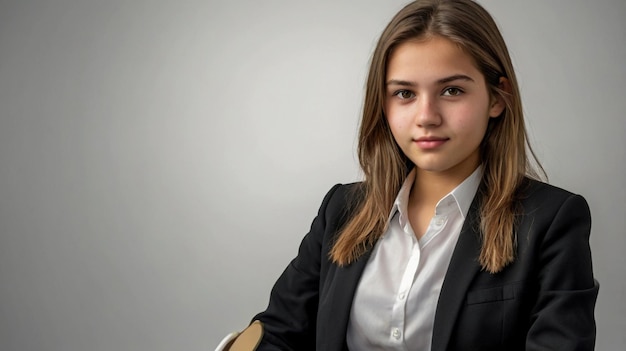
(438, 105)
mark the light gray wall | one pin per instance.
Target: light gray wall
(148, 149)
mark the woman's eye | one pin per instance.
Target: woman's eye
(452, 92)
(404, 94)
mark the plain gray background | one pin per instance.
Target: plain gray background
(161, 160)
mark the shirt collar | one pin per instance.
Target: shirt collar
(463, 194)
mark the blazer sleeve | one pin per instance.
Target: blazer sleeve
(563, 316)
(290, 318)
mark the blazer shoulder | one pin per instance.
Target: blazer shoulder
(534, 190)
(549, 200)
(343, 199)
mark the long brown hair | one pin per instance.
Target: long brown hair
(504, 152)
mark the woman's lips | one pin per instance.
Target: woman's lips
(429, 143)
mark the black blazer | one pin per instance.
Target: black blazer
(543, 301)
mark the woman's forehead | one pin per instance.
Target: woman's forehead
(429, 61)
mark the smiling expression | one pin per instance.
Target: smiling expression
(438, 105)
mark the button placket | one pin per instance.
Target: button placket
(395, 332)
(440, 221)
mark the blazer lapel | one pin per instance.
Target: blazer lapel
(336, 303)
(462, 269)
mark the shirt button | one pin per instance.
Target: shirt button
(396, 333)
(402, 296)
(439, 221)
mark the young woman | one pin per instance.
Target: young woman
(450, 242)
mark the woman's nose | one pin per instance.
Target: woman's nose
(427, 112)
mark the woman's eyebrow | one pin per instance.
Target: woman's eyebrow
(445, 80)
(455, 77)
(404, 83)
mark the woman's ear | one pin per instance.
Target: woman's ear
(497, 102)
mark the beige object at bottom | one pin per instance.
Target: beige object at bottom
(247, 340)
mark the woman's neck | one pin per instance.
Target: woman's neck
(430, 187)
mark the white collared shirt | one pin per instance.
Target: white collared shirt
(395, 302)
